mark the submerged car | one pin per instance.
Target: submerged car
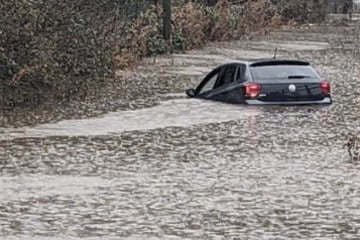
(262, 82)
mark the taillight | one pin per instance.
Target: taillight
(325, 87)
(252, 90)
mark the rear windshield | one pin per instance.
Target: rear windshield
(283, 72)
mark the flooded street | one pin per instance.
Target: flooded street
(145, 162)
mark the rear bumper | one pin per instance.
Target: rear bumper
(326, 100)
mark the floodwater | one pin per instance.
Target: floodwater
(169, 113)
(163, 166)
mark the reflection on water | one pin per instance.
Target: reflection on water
(172, 113)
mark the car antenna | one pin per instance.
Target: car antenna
(275, 52)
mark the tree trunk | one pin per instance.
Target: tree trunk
(167, 19)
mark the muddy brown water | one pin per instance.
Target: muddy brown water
(161, 166)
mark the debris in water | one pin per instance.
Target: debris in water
(353, 147)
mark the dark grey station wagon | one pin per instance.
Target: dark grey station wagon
(288, 82)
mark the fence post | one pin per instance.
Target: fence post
(167, 19)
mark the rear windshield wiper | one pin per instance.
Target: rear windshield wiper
(298, 76)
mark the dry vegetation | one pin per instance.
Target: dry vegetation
(56, 50)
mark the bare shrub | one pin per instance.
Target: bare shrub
(59, 49)
(192, 23)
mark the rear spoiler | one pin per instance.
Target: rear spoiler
(279, 62)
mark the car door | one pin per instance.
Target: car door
(236, 92)
(228, 86)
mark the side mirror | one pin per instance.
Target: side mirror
(191, 92)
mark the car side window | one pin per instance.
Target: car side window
(241, 74)
(209, 85)
(227, 76)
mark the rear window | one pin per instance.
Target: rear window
(282, 72)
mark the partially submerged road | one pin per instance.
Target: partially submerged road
(161, 166)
